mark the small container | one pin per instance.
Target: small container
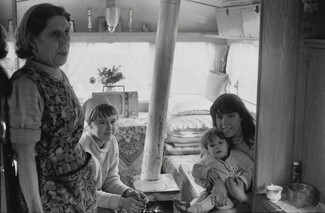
(146, 27)
(274, 192)
(296, 172)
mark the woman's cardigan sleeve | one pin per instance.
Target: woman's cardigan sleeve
(247, 165)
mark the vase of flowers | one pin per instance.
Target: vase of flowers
(108, 77)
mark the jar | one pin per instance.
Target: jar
(296, 172)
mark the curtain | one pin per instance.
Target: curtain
(242, 67)
(192, 63)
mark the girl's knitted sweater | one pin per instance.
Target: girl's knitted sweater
(111, 187)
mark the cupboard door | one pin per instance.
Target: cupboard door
(313, 154)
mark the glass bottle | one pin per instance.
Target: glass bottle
(89, 21)
(296, 172)
(130, 22)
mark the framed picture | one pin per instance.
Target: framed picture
(102, 26)
(72, 27)
(10, 27)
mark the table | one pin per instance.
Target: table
(161, 191)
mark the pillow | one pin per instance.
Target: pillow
(216, 85)
(188, 105)
(192, 123)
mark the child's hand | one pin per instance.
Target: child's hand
(212, 175)
(236, 189)
(138, 195)
(132, 205)
(219, 193)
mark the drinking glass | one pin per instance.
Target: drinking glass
(112, 16)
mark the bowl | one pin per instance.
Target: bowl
(301, 194)
(274, 192)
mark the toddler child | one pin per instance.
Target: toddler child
(218, 163)
(99, 140)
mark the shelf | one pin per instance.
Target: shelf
(235, 39)
(106, 37)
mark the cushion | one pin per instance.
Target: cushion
(188, 150)
(188, 105)
(188, 123)
(187, 130)
(216, 85)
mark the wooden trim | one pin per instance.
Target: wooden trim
(233, 39)
(315, 43)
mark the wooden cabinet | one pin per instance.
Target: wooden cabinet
(291, 96)
(313, 143)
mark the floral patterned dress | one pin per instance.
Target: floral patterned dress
(65, 170)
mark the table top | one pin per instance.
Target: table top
(165, 183)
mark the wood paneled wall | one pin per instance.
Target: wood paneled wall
(290, 118)
(279, 48)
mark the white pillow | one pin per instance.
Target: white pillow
(188, 105)
(216, 85)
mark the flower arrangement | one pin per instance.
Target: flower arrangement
(108, 76)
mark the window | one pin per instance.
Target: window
(192, 61)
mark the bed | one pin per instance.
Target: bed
(188, 117)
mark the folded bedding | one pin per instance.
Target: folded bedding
(187, 129)
(181, 150)
(188, 123)
(179, 140)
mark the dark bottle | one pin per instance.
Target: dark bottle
(296, 172)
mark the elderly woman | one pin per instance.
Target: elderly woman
(46, 119)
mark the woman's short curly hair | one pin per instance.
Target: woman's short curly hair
(34, 23)
(3, 44)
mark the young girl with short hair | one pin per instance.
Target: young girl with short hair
(99, 140)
